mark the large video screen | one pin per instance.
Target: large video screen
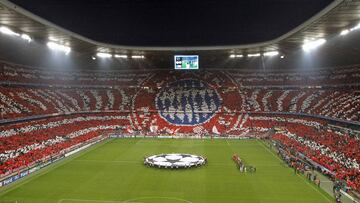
(186, 62)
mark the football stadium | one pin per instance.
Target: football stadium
(179, 101)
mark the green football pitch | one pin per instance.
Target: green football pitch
(113, 172)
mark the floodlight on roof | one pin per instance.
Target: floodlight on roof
(271, 53)
(59, 47)
(236, 56)
(344, 32)
(356, 27)
(137, 56)
(120, 56)
(254, 55)
(26, 37)
(104, 55)
(8, 31)
(309, 45)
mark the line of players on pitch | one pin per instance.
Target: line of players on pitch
(242, 166)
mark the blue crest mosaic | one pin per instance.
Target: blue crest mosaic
(187, 102)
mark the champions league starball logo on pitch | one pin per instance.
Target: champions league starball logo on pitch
(187, 102)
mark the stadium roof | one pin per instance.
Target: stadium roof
(176, 22)
(339, 15)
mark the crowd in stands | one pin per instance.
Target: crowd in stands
(18, 102)
(342, 104)
(247, 78)
(22, 102)
(332, 102)
(29, 75)
(221, 103)
(25, 143)
(338, 152)
(291, 159)
(329, 76)
(342, 159)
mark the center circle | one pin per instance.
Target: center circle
(187, 102)
(174, 160)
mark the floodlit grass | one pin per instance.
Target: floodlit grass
(113, 172)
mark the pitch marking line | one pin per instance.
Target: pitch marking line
(86, 200)
(155, 197)
(91, 200)
(311, 185)
(103, 161)
(227, 143)
(135, 200)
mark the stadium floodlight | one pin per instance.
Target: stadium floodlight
(356, 27)
(137, 56)
(104, 55)
(59, 47)
(236, 56)
(271, 53)
(344, 32)
(8, 31)
(254, 55)
(26, 37)
(309, 45)
(120, 56)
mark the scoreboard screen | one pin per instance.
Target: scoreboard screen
(186, 62)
